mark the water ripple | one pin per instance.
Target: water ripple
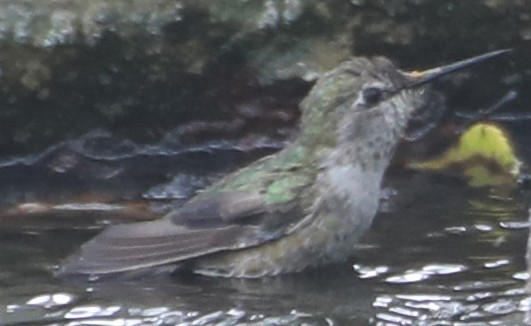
(51, 300)
(416, 275)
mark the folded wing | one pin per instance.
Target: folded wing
(229, 221)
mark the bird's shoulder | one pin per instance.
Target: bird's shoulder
(264, 192)
(278, 178)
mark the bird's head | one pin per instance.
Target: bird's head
(367, 103)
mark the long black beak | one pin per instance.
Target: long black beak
(423, 77)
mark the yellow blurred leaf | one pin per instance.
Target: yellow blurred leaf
(483, 154)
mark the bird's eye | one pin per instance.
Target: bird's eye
(372, 95)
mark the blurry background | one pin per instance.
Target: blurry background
(122, 109)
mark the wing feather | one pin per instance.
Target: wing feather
(127, 247)
(210, 223)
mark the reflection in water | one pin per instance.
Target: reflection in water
(444, 255)
(468, 270)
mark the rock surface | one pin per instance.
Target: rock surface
(192, 71)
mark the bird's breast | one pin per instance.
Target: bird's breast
(343, 210)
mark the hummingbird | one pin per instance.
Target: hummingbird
(302, 207)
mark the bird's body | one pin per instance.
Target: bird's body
(305, 206)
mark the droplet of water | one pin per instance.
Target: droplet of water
(393, 319)
(51, 300)
(482, 285)
(429, 306)
(91, 311)
(456, 229)
(171, 317)
(500, 307)
(483, 227)
(514, 225)
(208, 319)
(39, 300)
(424, 297)
(474, 315)
(515, 292)
(479, 296)
(382, 301)
(405, 311)
(370, 271)
(12, 308)
(83, 312)
(497, 263)
(443, 269)
(409, 276)
(236, 312)
(525, 304)
(154, 311)
(523, 276)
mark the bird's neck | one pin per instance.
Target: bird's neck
(365, 141)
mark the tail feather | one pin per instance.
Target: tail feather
(140, 245)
